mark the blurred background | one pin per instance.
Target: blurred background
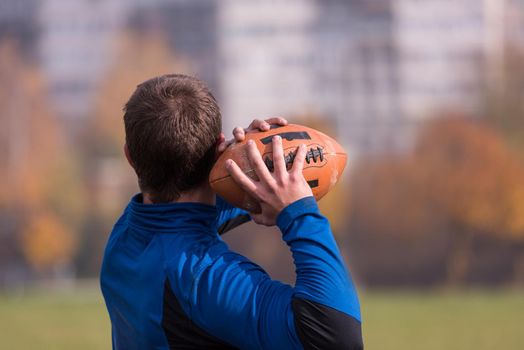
(427, 96)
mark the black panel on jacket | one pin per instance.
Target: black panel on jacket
(181, 332)
(322, 327)
(232, 223)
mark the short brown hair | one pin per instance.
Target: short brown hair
(172, 124)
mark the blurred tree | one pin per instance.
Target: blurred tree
(396, 230)
(461, 183)
(47, 243)
(32, 159)
(476, 180)
(30, 136)
(503, 106)
(504, 110)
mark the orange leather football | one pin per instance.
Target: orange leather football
(325, 162)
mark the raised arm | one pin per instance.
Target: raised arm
(324, 306)
(237, 302)
(325, 303)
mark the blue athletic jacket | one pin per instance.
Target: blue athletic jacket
(170, 282)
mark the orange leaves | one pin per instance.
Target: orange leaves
(29, 139)
(31, 153)
(392, 195)
(473, 175)
(46, 242)
(460, 170)
(427, 216)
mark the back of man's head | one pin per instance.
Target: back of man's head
(172, 125)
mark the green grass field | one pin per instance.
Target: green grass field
(392, 320)
(478, 320)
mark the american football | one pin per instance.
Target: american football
(325, 162)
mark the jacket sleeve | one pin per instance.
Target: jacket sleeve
(325, 303)
(236, 300)
(229, 217)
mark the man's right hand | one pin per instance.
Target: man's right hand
(276, 190)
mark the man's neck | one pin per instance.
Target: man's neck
(202, 194)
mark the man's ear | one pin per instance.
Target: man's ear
(220, 144)
(221, 139)
(128, 156)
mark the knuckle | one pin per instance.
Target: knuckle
(258, 193)
(295, 177)
(272, 186)
(261, 196)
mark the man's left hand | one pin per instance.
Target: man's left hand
(239, 133)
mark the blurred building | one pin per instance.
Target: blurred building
(335, 59)
(356, 73)
(18, 21)
(191, 30)
(514, 25)
(440, 48)
(75, 49)
(266, 56)
(374, 68)
(450, 52)
(445, 49)
(78, 41)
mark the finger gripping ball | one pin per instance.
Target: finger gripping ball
(324, 163)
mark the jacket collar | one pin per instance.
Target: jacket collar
(171, 217)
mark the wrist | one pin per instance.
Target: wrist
(298, 208)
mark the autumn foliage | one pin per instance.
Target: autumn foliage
(32, 158)
(477, 180)
(47, 242)
(29, 136)
(422, 214)
(449, 212)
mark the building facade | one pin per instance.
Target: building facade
(375, 68)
